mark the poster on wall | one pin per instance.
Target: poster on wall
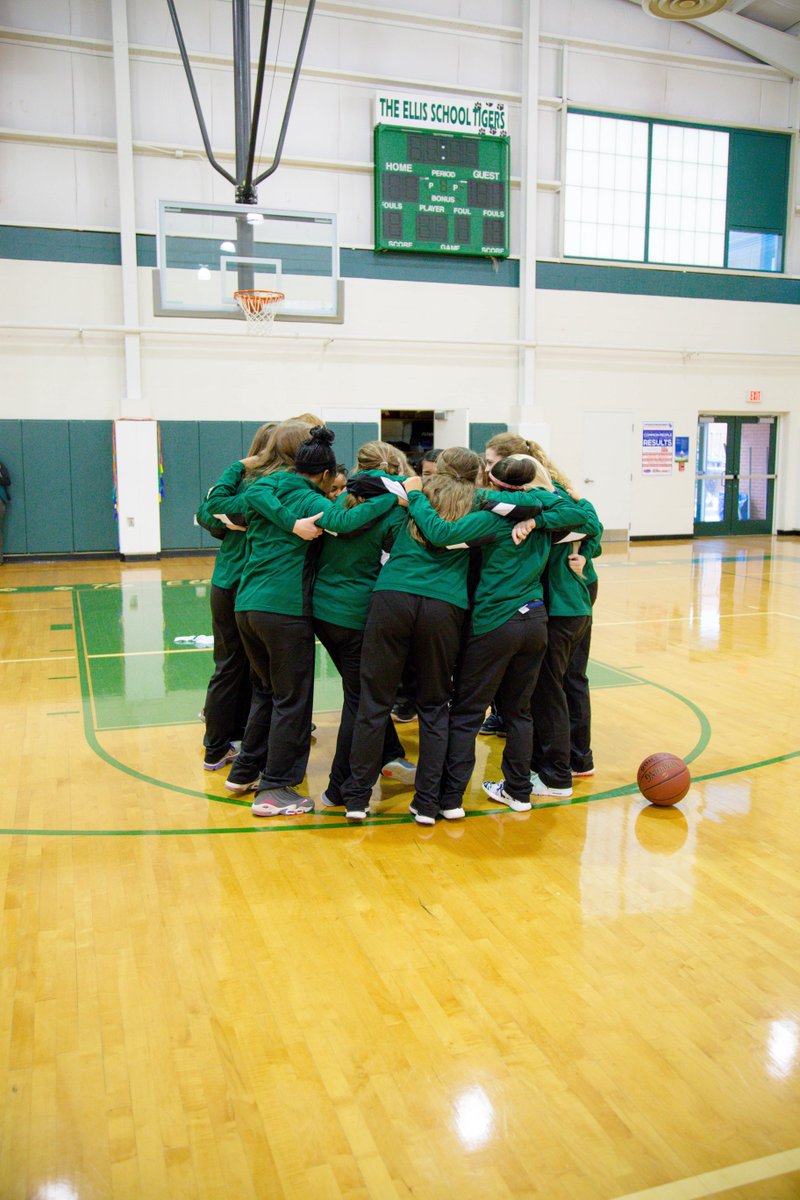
(658, 441)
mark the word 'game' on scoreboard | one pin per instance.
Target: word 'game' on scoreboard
(441, 192)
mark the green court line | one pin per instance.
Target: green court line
(372, 822)
(62, 677)
(388, 819)
(61, 626)
(72, 712)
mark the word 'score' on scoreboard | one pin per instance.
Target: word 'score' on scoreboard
(441, 193)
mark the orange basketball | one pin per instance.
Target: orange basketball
(663, 779)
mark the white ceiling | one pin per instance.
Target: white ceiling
(778, 14)
(767, 30)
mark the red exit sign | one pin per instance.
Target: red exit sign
(754, 397)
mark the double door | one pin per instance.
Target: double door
(735, 477)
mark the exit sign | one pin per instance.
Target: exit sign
(440, 192)
(754, 397)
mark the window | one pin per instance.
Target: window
(649, 191)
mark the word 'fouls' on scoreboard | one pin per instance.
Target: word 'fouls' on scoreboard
(441, 193)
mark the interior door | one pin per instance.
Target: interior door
(606, 480)
(735, 475)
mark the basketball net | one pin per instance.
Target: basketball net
(259, 308)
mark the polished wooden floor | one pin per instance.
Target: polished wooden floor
(590, 1001)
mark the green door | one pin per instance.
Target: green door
(735, 478)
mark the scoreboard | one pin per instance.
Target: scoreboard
(441, 193)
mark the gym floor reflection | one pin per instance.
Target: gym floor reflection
(593, 999)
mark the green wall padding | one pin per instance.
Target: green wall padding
(94, 525)
(11, 454)
(481, 431)
(180, 454)
(47, 487)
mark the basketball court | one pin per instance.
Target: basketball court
(580, 1000)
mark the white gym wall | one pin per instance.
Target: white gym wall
(70, 347)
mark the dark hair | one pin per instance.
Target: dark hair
(341, 469)
(515, 471)
(315, 455)
(430, 456)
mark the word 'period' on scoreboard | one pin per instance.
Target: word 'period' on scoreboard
(441, 193)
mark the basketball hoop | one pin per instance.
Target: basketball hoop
(259, 309)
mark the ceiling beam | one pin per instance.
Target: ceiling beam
(779, 50)
(762, 42)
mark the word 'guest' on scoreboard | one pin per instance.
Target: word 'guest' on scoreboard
(441, 193)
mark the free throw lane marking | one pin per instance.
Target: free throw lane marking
(711, 1183)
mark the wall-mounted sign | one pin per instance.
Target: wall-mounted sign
(658, 442)
(681, 449)
(463, 114)
(754, 397)
(441, 192)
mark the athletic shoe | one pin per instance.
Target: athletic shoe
(281, 801)
(247, 785)
(423, 814)
(494, 724)
(498, 793)
(453, 814)
(228, 756)
(356, 814)
(400, 768)
(582, 774)
(327, 802)
(404, 711)
(540, 788)
(313, 727)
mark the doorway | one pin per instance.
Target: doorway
(410, 430)
(734, 486)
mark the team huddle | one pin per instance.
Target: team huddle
(472, 588)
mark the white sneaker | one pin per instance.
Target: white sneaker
(453, 814)
(540, 788)
(328, 803)
(497, 792)
(582, 774)
(421, 818)
(400, 768)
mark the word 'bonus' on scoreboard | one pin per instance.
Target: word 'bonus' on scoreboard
(440, 192)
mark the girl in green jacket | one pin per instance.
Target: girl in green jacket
(418, 610)
(347, 570)
(229, 692)
(274, 612)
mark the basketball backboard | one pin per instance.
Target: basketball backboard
(206, 252)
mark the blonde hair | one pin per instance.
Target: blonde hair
(506, 444)
(281, 446)
(375, 456)
(451, 489)
(308, 419)
(400, 464)
(260, 438)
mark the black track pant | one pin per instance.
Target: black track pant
(344, 647)
(550, 759)
(576, 689)
(400, 625)
(229, 690)
(278, 734)
(503, 664)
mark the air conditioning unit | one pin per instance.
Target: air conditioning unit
(683, 10)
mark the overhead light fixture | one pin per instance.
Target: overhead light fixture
(255, 218)
(227, 247)
(683, 10)
(203, 274)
